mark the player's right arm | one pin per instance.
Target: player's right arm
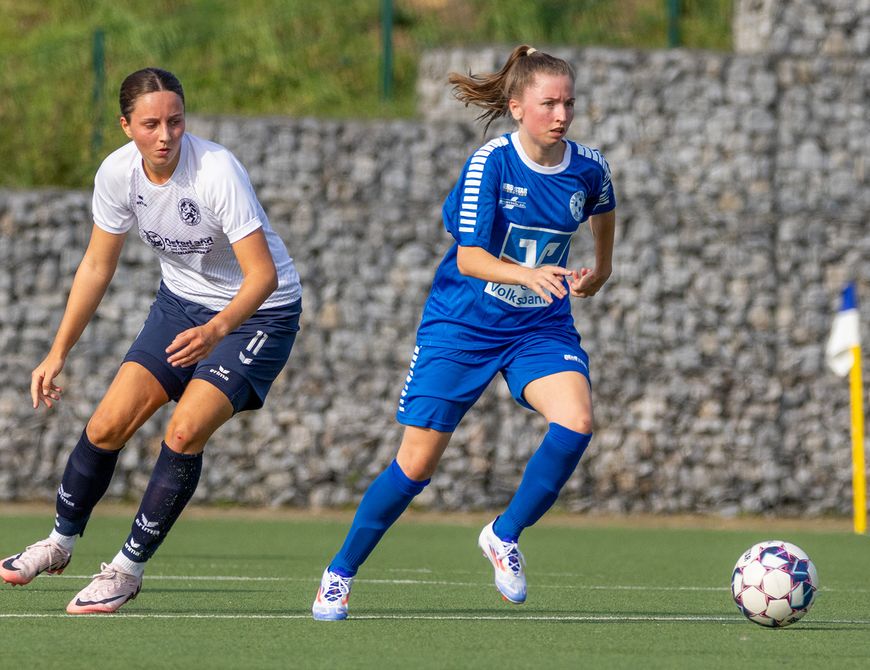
(89, 285)
(546, 281)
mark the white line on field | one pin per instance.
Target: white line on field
(634, 618)
(435, 582)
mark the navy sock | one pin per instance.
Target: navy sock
(384, 501)
(171, 487)
(85, 479)
(546, 473)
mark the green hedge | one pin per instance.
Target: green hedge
(268, 57)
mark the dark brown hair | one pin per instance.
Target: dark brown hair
(149, 80)
(493, 91)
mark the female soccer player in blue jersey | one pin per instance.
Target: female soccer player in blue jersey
(218, 333)
(499, 304)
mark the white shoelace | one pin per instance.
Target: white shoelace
(514, 556)
(35, 561)
(338, 588)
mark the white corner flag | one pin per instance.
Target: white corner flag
(844, 336)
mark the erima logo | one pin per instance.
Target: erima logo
(64, 496)
(147, 526)
(133, 547)
(576, 359)
(221, 372)
(141, 201)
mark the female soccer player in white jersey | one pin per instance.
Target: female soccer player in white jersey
(499, 304)
(221, 328)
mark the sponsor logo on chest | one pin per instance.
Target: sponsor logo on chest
(513, 197)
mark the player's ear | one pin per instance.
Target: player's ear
(125, 126)
(516, 109)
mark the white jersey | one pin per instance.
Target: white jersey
(192, 220)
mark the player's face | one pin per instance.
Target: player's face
(544, 113)
(156, 125)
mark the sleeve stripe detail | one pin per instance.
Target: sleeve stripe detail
(473, 180)
(595, 155)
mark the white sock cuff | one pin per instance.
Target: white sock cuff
(65, 541)
(124, 564)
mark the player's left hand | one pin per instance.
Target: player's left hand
(192, 345)
(587, 282)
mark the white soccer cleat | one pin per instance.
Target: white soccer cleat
(509, 565)
(43, 556)
(109, 589)
(332, 596)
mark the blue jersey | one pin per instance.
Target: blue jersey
(519, 212)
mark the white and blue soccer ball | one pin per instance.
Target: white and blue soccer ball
(774, 583)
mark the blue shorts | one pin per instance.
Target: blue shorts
(243, 365)
(443, 383)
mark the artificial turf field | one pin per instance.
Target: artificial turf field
(233, 590)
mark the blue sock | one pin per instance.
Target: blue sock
(85, 479)
(384, 501)
(546, 473)
(171, 487)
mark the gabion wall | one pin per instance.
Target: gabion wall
(743, 205)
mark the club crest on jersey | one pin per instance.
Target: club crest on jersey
(189, 212)
(577, 202)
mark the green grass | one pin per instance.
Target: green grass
(267, 57)
(232, 592)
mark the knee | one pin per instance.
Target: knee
(106, 431)
(417, 465)
(183, 436)
(578, 423)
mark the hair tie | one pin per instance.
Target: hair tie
(531, 51)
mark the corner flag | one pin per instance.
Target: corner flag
(843, 355)
(844, 336)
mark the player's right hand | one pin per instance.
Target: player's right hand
(42, 386)
(548, 281)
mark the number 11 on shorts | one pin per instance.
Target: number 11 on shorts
(253, 347)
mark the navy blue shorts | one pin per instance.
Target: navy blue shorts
(243, 365)
(443, 383)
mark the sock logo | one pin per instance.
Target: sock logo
(63, 496)
(149, 527)
(133, 547)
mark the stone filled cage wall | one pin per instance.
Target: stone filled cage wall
(743, 207)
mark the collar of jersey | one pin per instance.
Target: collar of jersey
(537, 167)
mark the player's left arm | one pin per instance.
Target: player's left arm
(259, 282)
(588, 281)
